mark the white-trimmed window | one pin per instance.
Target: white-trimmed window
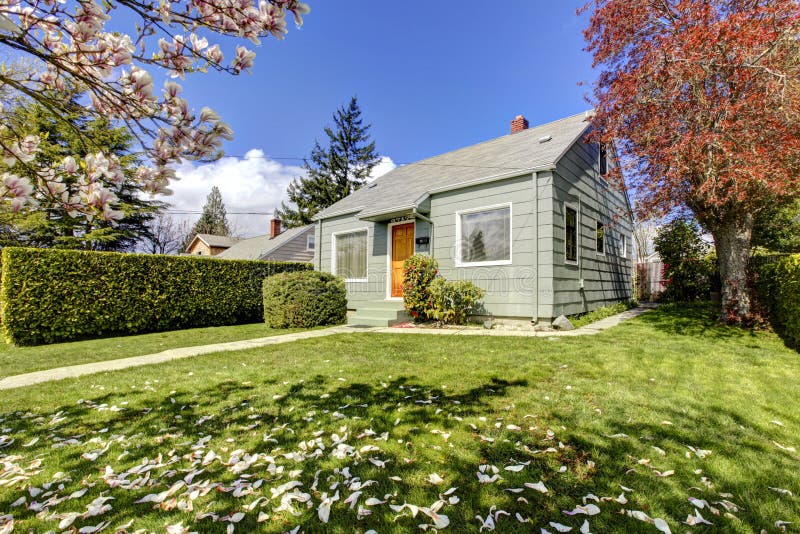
(623, 245)
(600, 238)
(310, 239)
(603, 160)
(350, 255)
(570, 234)
(483, 236)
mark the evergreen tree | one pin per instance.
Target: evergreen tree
(333, 172)
(477, 249)
(213, 220)
(53, 226)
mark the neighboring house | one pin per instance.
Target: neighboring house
(294, 244)
(210, 245)
(527, 216)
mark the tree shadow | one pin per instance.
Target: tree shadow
(696, 319)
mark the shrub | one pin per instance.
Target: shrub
(304, 300)
(451, 301)
(688, 270)
(778, 286)
(51, 295)
(418, 272)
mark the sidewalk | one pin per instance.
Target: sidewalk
(72, 371)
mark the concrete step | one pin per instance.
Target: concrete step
(379, 313)
(384, 305)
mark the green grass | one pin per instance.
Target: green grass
(596, 405)
(18, 360)
(600, 313)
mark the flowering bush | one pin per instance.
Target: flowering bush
(451, 301)
(418, 272)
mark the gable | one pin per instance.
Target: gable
(407, 187)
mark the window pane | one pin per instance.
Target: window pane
(310, 242)
(600, 239)
(571, 224)
(603, 160)
(486, 235)
(351, 255)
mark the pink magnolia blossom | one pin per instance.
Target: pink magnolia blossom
(75, 53)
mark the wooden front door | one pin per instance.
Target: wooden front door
(402, 249)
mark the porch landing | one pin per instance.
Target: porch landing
(379, 313)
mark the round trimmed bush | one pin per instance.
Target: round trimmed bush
(304, 299)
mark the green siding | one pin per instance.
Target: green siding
(537, 283)
(606, 277)
(510, 289)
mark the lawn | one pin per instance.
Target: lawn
(18, 360)
(667, 417)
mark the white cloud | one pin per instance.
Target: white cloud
(253, 184)
(386, 164)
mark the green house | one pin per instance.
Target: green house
(528, 217)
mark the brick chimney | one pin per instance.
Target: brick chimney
(518, 124)
(274, 227)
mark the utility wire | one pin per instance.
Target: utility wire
(398, 163)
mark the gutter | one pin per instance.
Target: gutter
(494, 178)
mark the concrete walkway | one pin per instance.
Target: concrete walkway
(72, 371)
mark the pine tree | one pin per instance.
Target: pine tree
(332, 172)
(213, 220)
(52, 226)
(477, 249)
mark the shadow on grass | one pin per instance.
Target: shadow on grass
(168, 426)
(698, 319)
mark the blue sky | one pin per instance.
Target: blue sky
(428, 81)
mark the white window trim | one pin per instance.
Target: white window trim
(309, 237)
(333, 253)
(458, 261)
(599, 167)
(605, 236)
(577, 234)
(624, 248)
(389, 255)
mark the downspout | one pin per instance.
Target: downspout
(535, 318)
(416, 214)
(318, 245)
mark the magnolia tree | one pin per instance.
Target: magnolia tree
(702, 100)
(67, 49)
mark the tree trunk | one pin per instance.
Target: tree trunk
(732, 240)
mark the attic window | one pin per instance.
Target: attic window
(603, 160)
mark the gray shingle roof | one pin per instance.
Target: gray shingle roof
(405, 187)
(217, 240)
(257, 247)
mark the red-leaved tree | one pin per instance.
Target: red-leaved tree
(702, 101)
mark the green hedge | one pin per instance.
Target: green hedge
(304, 300)
(778, 285)
(52, 295)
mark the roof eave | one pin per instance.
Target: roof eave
(322, 215)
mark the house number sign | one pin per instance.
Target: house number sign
(403, 218)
